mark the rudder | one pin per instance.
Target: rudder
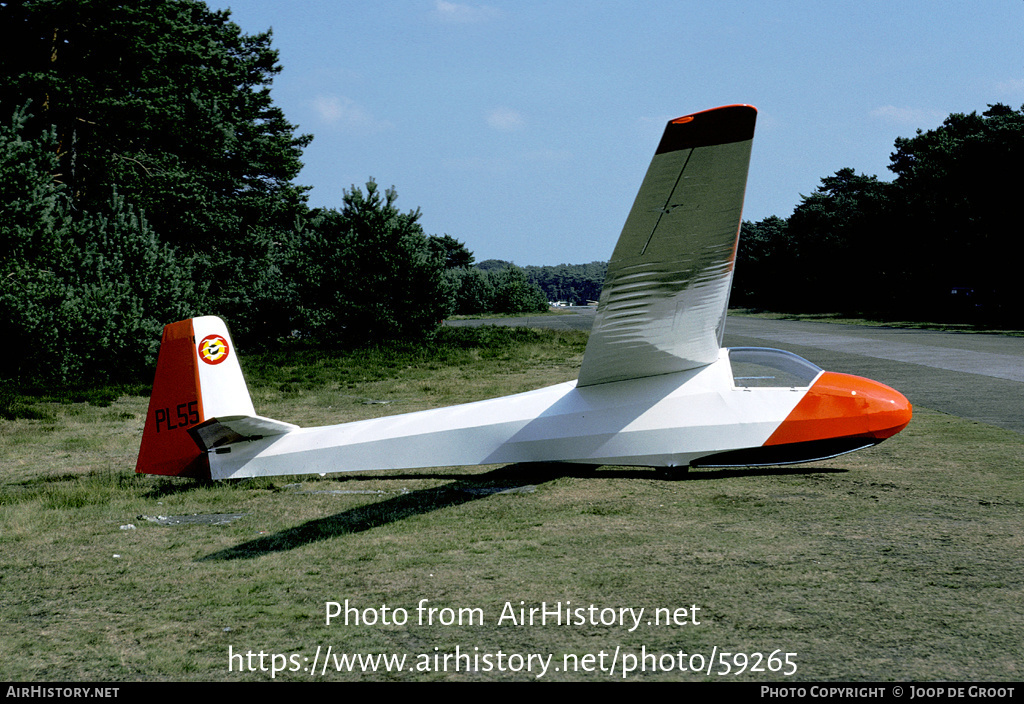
(197, 377)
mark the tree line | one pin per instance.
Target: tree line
(146, 176)
(575, 284)
(535, 286)
(939, 242)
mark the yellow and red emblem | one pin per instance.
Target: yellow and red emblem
(213, 349)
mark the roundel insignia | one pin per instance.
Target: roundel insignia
(213, 349)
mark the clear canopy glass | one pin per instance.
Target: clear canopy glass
(763, 366)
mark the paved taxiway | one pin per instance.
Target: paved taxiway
(974, 376)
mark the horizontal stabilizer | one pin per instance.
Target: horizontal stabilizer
(217, 432)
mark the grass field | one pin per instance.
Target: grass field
(902, 562)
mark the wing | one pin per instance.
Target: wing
(663, 305)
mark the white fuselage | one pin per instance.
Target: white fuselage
(660, 421)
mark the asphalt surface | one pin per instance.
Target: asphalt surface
(975, 376)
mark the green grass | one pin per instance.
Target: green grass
(897, 563)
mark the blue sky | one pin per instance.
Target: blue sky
(523, 128)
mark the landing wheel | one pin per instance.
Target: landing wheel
(672, 473)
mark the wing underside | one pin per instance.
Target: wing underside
(663, 305)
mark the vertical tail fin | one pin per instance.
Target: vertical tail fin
(197, 378)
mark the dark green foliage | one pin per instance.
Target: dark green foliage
(81, 298)
(492, 264)
(959, 186)
(453, 252)
(497, 290)
(120, 286)
(575, 284)
(164, 100)
(764, 265)
(472, 289)
(513, 293)
(843, 231)
(948, 222)
(834, 253)
(31, 201)
(146, 177)
(368, 273)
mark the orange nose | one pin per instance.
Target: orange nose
(844, 406)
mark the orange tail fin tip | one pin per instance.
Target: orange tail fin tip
(196, 355)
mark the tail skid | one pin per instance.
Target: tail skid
(200, 401)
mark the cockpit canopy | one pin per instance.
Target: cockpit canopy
(766, 367)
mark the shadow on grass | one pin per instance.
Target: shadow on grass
(164, 487)
(414, 503)
(362, 518)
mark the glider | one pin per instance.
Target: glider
(655, 387)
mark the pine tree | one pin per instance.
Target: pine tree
(164, 100)
(369, 273)
(82, 298)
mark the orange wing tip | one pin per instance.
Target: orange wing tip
(724, 125)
